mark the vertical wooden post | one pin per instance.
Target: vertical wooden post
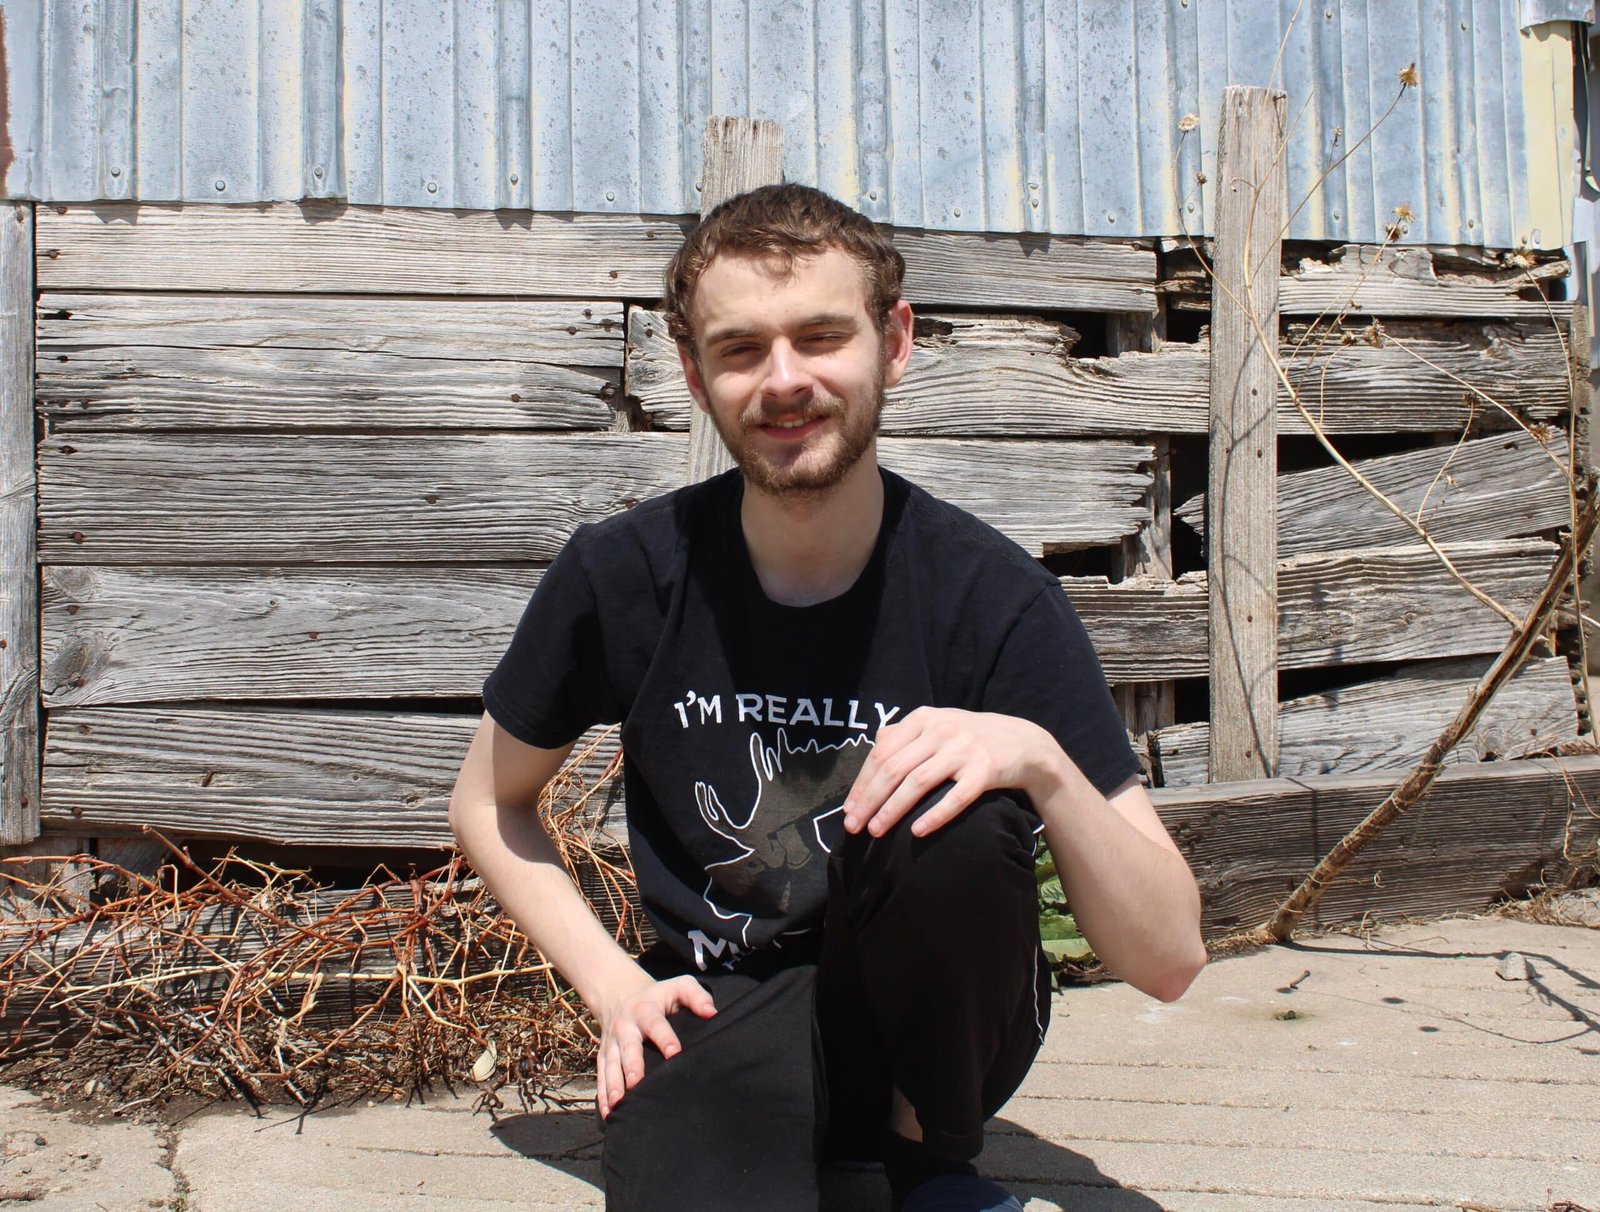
(1242, 526)
(19, 575)
(1146, 706)
(740, 154)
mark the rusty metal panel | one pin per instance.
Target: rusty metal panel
(1002, 115)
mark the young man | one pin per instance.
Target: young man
(847, 709)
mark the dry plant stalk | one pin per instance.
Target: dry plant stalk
(1416, 784)
(248, 980)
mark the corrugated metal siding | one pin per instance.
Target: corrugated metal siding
(1035, 115)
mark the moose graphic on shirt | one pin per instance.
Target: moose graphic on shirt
(780, 834)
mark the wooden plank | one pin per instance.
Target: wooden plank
(1416, 376)
(1026, 270)
(739, 155)
(112, 497)
(151, 634)
(1337, 608)
(1045, 496)
(332, 248)
(1483, 831)
(1486, 488)
(344, 778)
(280, 362)
(19, 593)
(1403, 281)
(118, 497)
(986, 375)
(1388, 724)
(1242, 552)
(142, 634)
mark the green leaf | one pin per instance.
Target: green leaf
(1067, 948)
(1051, 891)
(1045, 868)
(1054, 925)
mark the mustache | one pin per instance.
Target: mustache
(818, 406)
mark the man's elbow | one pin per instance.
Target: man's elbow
(1175, 977)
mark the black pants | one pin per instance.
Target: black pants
(930, 979)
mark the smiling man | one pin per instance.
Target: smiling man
(847, 710)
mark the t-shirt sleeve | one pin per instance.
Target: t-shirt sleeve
(552, 683)
(1047, 672)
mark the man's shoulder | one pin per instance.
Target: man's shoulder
(951, 539)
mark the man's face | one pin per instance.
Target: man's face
(792, 368)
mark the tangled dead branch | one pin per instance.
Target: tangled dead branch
(248, 980)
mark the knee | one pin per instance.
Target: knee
(990, 846)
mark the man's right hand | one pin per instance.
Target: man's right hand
(636, 1014)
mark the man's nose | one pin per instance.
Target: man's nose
(788, 377)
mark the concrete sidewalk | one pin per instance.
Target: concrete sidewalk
(1396, 1072)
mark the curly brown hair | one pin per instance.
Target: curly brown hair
(782, 222)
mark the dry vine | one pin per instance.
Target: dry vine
(248, 980)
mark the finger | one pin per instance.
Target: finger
(961, 796)
(660, 1033)
(872, 791)
(913, 786)
(610, 1074)
(601, 1102)
(632, 1059)
(889, 740)
(692, 995)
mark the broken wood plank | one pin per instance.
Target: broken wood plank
(151, 633)
(112, 497)
(333, 248)
(19, 592)
(985, 375)
(295, 777)
(1388, 724)
(1146, 706)
(1403, 281)
(1338, 608)
(279, 362)
(1487, 488)
(1484, 831)
(1242, 547)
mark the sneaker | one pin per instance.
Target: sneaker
(961, 1193)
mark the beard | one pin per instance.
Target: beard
(823, 460)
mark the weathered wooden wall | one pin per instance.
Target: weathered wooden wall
(302, 465)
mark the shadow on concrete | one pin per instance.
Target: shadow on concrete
(1538, 965)
(569, 1141)
(1033, 1166)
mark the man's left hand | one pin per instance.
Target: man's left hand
(976, 751)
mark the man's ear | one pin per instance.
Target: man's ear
(692, 375)
(898, 335)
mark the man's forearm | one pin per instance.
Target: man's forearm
(1133, 897)
(520, 864)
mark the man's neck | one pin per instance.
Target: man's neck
(810, 548)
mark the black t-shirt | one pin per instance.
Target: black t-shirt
(745, 721)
